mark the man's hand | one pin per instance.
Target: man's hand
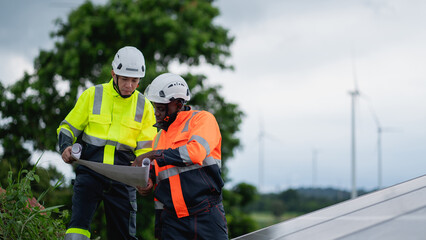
(66, 155)
(146, 190)
(150, 155)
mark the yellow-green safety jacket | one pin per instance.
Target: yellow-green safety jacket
(113, 129)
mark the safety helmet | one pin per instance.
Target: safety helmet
(167, 87)
(129, 62)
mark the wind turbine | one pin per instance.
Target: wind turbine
(261, 139)
(379, 148)
(354, 94)
(314, 167)
(380, 130)
(379, 155)
(261, 147)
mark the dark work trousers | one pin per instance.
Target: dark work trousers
(209, 223)
(90, 188)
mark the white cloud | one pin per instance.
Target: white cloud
(49, 158)
(293, 63)
(294, 68)
(13, 66)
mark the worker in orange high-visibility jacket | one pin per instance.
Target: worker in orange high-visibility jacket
(113, 122)
(187, 165)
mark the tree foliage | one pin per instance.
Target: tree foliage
(167, 31)
(239, 222)
(299, 201)
(180, 32)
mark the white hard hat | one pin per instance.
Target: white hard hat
(129, 62)
(166, 87)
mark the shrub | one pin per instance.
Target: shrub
(21, 215)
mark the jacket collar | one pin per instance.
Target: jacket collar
(111, 89)
(181, 117)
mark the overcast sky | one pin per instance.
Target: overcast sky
(295, 63)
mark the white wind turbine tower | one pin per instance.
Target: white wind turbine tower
(380, 130)
(354, 94)
(314, 166)
(379, 151)
(261, 147)
(261, 139)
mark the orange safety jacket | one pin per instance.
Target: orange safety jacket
(189, 172)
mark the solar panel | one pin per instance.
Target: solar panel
(397, 212)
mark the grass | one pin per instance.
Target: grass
(21, 217)
(266, 219)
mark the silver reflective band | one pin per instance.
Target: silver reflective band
(75, 236)
(219, 163)
(201, 141)
(158, 205)
(176, 170)
(185, 129)
(184, 155)
(99, 142)
(157, 138)
(132, 69)
(66, 132)
(140, 108)
(74, 130)
(143, 144)
(183, 150)
(97, 102)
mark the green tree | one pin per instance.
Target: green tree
(277, 208)
(247, 192)
(239, 222)
(167, 31)
(291, 199)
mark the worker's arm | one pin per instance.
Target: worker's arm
(73, 125)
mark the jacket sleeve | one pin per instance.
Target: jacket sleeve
(148, 132)
(204, 136)
(75, 122)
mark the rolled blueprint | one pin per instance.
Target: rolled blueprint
(76, 150)
(146, 162)
(130, 175)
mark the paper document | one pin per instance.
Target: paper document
(130, 175)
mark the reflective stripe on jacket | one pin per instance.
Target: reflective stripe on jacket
(113, 129)
(189, 174)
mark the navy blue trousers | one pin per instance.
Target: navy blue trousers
(207, 224)
(90, 188)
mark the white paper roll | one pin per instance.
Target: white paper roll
(76, 150)
(146, 162)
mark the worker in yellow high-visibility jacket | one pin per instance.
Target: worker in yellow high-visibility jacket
(114, 124)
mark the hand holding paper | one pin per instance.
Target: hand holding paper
(146, 190)
(130, 175)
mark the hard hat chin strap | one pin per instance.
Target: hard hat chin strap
(167, 120)
(117, 88)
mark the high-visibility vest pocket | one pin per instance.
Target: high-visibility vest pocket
(180, 140)
(129, 131)
(98, 125)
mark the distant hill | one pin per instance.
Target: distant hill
(300, 200)
(332, 194)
